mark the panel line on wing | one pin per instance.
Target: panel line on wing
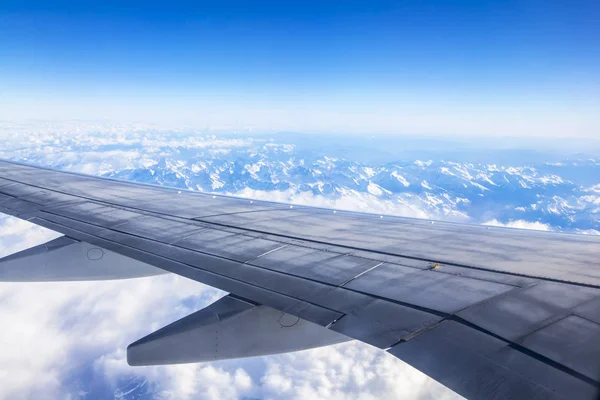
(266, 252)
(199, 219)
(361, 274)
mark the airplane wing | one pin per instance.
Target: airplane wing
(491, 313)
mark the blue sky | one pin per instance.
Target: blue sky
(515, 68)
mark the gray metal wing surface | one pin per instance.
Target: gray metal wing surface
(491, 313)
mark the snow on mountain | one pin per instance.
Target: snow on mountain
(400, 178)
(520, 224)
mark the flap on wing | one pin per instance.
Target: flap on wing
(229, 328)
(66, 259)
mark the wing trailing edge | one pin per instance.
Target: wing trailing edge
(229, 328)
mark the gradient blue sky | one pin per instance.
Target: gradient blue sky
(511, 68)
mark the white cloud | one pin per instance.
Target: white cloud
(17, 235)
(520, 224)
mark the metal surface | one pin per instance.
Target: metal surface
(383, 324)
(479, 366)
(163, 230)
(582, 353)
(526, 310)
(329, 267)
(65, 259)
(424, 288)
(589, 310)
(235, 247)
(229, 328)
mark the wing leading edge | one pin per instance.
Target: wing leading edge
(490, 313)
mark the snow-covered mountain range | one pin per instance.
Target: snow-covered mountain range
(442, 189)
(532, 187)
